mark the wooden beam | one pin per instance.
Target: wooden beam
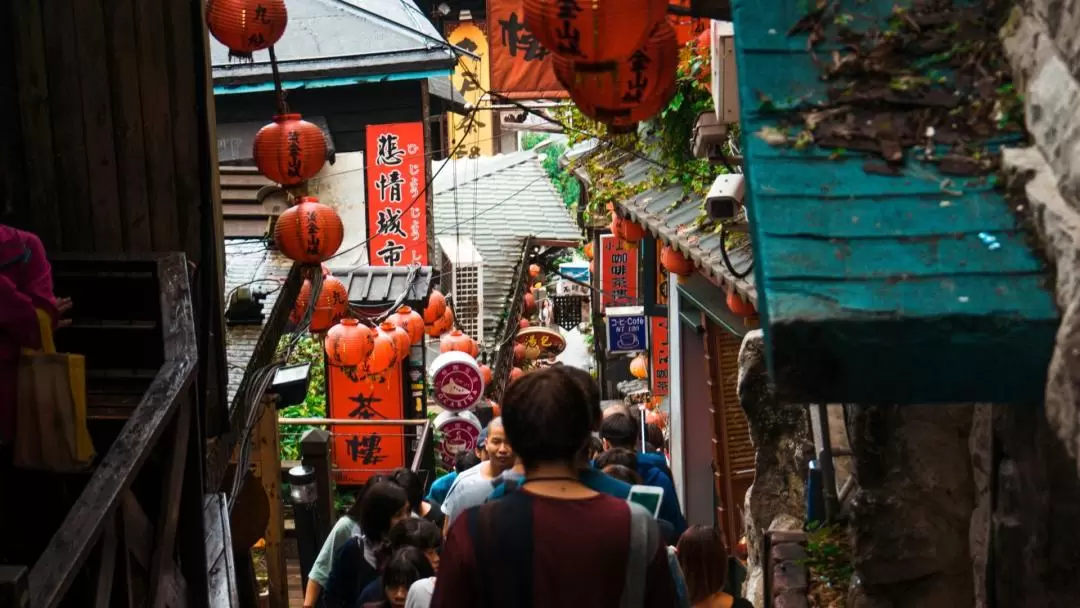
(14, 590)
(268, 469)
(138, 531)
(171, 486)
(106, 567)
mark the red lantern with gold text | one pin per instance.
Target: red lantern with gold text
(309, 232)
(675, 262)
(737, 306)
(402, 342)
(303, 300)
(456, 340)
(348, 343)
(635, 89)
(383, 352)
(246, 26)
(330, 306)
(485, 372)
(436, 306)
(411, 321)
(290, 150)
(516, 373)
(593, 33)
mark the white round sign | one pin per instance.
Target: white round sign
(460, 431)
(456, 381)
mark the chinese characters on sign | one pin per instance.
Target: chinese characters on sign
(618, 272)
(627, 333)
(397, 194)
(520, 67)
(660, 354)
(662, 276)
(362, 451)
(471, 138)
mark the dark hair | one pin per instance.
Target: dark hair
(619, 430)
(619, 456)
(410, 532)
(411, 483)
(465, 460)
(405, 567)
(378, 506)
(595, 446)
(704, 561)
(654, 436)
(354, 509)
(623, 473)
(546, 416)
(592, 394)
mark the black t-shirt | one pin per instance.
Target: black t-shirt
(349, 575)
(435, 515)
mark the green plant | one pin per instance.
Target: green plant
(308, 349)
(828, 559)
(531, 140)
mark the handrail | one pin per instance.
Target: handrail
(421, 447)
(351, 422)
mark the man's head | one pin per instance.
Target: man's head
(619, 456)
(618, 431)
(481, 445)
(465, 460)
(498, 449)
(592, 393)
(547, 417)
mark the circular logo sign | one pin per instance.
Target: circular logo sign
(456, 381)
(459, 432)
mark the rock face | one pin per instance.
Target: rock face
(784, 447)
(912, 509)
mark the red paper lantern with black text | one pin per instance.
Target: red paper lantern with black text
(290, 150)
(456, 340)
(383, 352)
(411, 321)
(331, 305)
(309, 232)
(246, 26)
(436, 306)
(675, 262)
(348, 343)
(595, 33)
(402, 342)
(303, 300)
(626, 230)
(635, 89)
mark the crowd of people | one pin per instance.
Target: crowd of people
(541, 514)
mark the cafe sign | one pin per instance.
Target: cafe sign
(456, 381)
(627, 329)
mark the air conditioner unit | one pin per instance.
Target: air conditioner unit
(725, 86)
(463, 280)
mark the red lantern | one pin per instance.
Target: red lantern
(516, 373)
(635, 89)
(594, 33)
(496, 409)
(383, 352)
(348, 343)
(675, 262)
(523, 324)
(246, 26)
(588, 250)
(639, 367)
(737, 306)
(290, 150)
(411, 321)
(529, 302)
(456, 341)
(401, 339)
(330, 306)
(303, 300)
(534, 270)
(436, 306)
(309, 232)
(519, 353)
(485, 372)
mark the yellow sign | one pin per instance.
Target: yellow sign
(471, 137)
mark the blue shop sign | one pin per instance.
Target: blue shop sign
(627, 333)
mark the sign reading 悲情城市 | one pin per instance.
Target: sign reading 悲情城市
(627, 333)
(396, 171)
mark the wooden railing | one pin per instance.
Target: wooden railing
(142, 507)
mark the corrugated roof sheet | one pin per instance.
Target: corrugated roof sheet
(341, 38)
(377, 285)
(248, 200)
(500, 200)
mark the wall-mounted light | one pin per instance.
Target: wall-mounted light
(443, 8)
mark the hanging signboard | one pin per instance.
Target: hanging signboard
(654, 278)
(362, 451)
(396, 164)
(520, 67)
(618, 272)
(660, 355)
(471, 137)
(627, 330)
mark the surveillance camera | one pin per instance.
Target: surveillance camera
(725, 196)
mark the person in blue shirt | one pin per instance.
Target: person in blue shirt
(466, 459)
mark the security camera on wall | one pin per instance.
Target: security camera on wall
(725, 196)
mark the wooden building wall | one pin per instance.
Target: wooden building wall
(107, 143)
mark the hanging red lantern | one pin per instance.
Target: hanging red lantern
(436, 306)
(639, 367)
(534, 270)
(516, 373)
(330, 306)
(529, 301)
(303, 300)
(523, 324)
(738, 306)
(588, 250)
(675, 262)
(401, 339)
(309, 232)
(519, 353)
(626, 230)
(348, 343)
(444, 324)
(594, 33)
(290, 150)
(456, 341)
(411, 321)
(496, 409)
(246, 26)
(635, 89)
(485, 372)
(383, 352)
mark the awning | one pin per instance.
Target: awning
(235, 140)
(381, 286)
(441, 88)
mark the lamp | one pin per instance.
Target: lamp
(443, 8)
(291, 384)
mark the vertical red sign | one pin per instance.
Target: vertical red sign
(618, 272)
(396, 194)
(659, 366)
(360, 451)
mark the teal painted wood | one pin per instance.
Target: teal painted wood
(878, 289)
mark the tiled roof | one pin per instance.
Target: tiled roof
(500, 200)
(341, 38)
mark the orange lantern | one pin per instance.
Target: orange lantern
(635, 89)
(737, 306)
(330, 306)
(675, 262)
(246, 26)
(436, 306)
(519, 353)
(411, 321)
(534, 270)
(529, 302)
(588, 250)
(456, 341)
(309, 232)
(639, 367)
(348, 343)
(523, 324)
(496, 409)
(401, 338)
(596, 34)
(383, 351)
(474, 348)
(516, 373)
(303, 300)
(657, 418)
(485, 372)
(290, 150)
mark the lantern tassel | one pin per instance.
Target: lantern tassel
(283, 108)
(241, 57)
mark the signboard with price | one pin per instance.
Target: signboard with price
(362, 451)
(618, 272)
(397, 196)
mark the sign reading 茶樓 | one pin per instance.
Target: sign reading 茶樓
(396, 194)
(627, 330)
